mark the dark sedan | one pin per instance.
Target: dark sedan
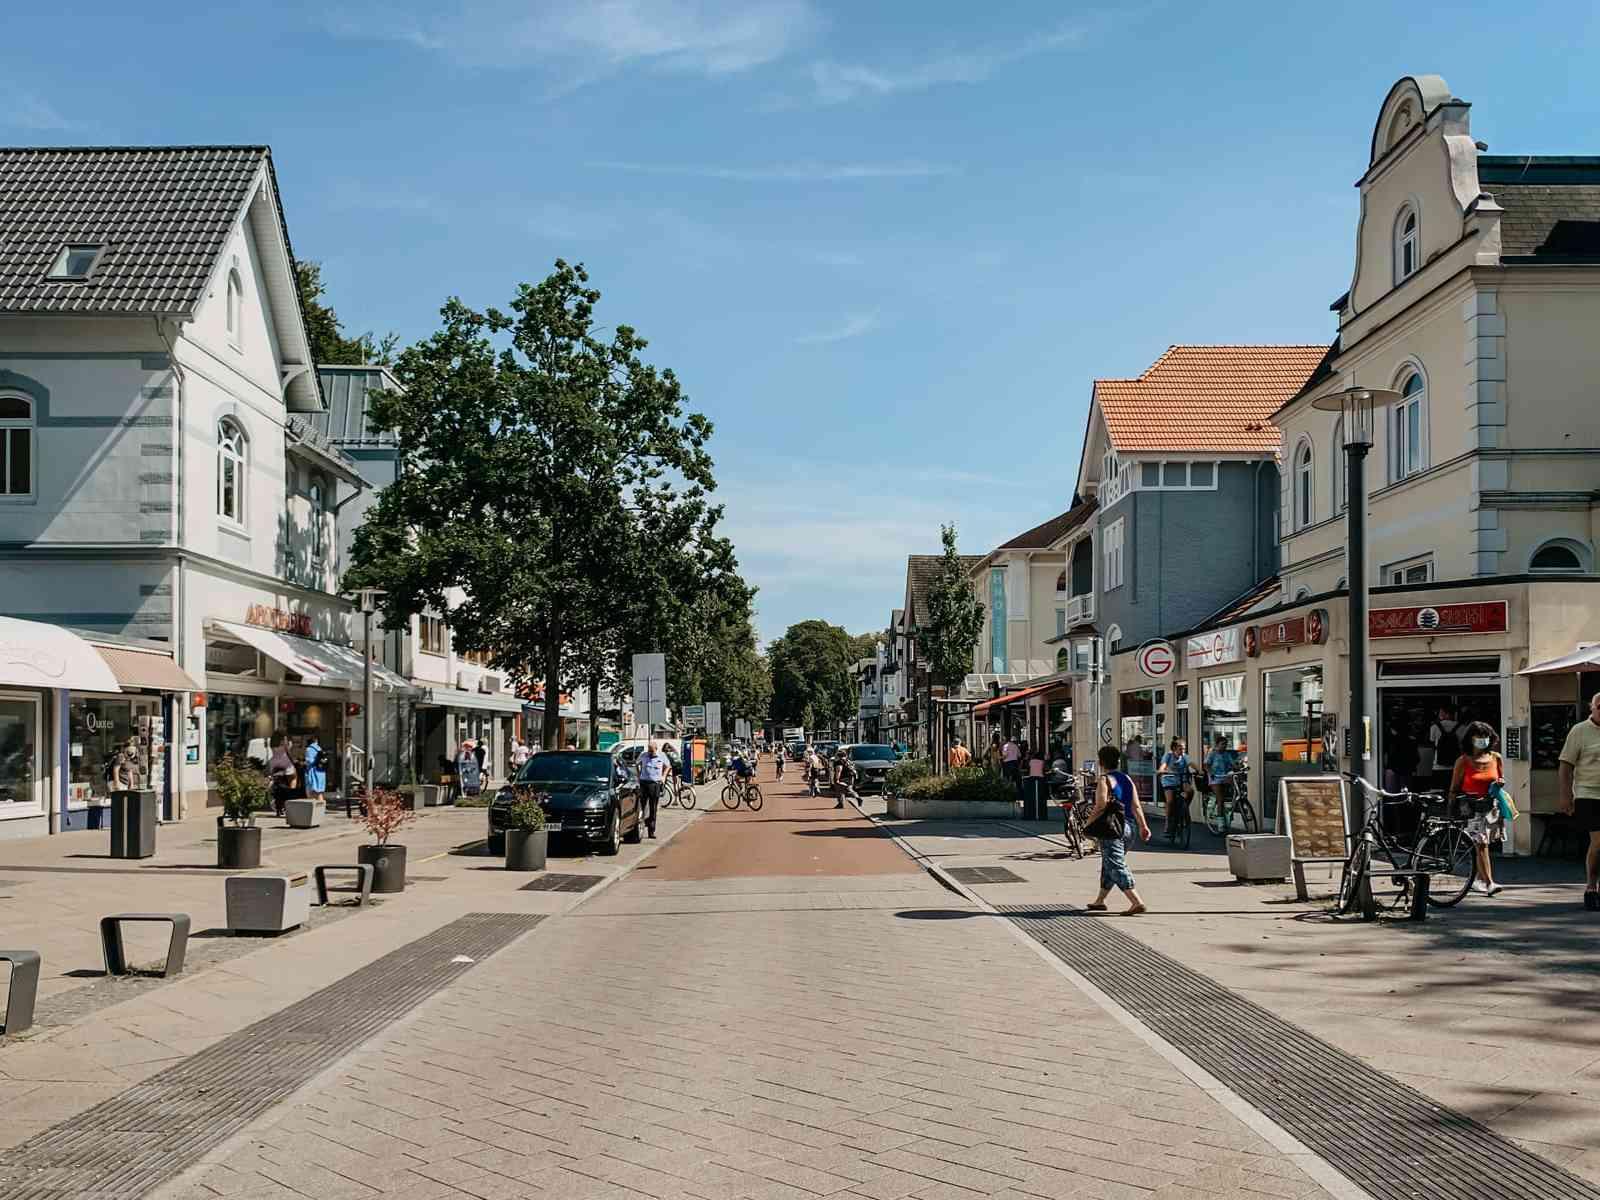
(872, 763)
(589, 796)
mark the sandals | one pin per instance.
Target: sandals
(1138, 910)
(1102, 907)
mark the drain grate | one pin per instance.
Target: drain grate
(1389, 1139)
(137, 1140)
(984, 875)
(562, 883)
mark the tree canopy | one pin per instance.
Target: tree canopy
(810, 675)
(946, 636)
(329, 346)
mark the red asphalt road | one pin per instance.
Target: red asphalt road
(793, 834)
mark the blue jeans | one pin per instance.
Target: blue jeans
(1114, 871)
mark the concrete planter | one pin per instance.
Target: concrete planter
(272, 903)
(904, 808)
(432, 795)
(1258, 856)
(238, 847)
(304, 814)
(525, 849)
(388, 865)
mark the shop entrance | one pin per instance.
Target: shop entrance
(1142, 727)
(1410, 695)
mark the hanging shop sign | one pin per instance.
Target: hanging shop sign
(1213, 649)
(278, 620)
(1484, 616)
(1157, 660)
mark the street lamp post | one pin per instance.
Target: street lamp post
(1357, 407)
(369, 605)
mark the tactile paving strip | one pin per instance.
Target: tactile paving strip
(1387, 1138)
(557, 882)
(135, 1141)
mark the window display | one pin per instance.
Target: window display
(237, 725)
(1291, 731)
(1223, 710)
(19, 753)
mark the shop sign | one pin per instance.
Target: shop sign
(1486, 616)
(1156, 659)
(1314, 817)
(1213, 649)
(278, 620)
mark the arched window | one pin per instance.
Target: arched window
(1113, 635)
(232, 470)
(1560, 556)
(1063, 659)
(16, 445)
(1061, 582)
(1301, 594)
(1335, 461)
(1407, 245)
(235, 303)
(318, 522)
(1304, 509)
(1410, 428)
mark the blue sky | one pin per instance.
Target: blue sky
(887, 244)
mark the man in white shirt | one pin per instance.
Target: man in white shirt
(653, 768)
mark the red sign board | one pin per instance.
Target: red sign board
(278, 619)
(1484, 616)
(1291, 632)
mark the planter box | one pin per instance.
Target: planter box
(133, 824)
(525, 849)
(267, 903)
(238, 846)
(304, 814)
(904, 808)
(388, 865)
(432, 795)
(1258, 856)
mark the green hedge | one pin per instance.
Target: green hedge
(906, 772)
(969, 783)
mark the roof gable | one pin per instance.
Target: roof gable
(1045, 535)
(921, 569)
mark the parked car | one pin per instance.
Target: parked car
(827, 749)
(591, 796)
(797, 751)
(872, 763)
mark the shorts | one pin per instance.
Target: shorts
(1114, 871)
(1586, 813)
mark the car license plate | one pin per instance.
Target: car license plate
(553, 826)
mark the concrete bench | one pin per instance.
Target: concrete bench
(116, 955)
(24, 989)
(361, 887)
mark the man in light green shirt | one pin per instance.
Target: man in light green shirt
(1580, 791)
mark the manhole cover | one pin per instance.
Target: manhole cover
(985, 875)
(562, 883)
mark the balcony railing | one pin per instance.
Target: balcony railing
(1080, 609)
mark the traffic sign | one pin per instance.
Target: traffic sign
(1157, 660)
(650, 689)
(694, 716)
(714, 717)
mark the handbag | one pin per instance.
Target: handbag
(1108, 825)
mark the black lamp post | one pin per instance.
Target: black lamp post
(1357, 407)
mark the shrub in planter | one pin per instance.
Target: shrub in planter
(526, 837)
(969, 783)
(386, 814)
(903, 774)
(243, 790)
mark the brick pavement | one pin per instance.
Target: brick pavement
(770, 1037)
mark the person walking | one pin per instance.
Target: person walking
(959, 756)
(1011, 763)
(316, 772)
(653, 768)
(844, 779)
(991, 757)
(1115, 788)
(1473, 775)
(281, 773)
(779, 759)
(813, 769)
(1580, 792)
(520, 754)
(1444, 735)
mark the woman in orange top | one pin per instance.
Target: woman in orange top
(1476, 770)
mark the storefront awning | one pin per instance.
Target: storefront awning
(501, 702)
(33, 654)
(146, 669)
(320, 664)
(1013, 697)
(1585, 659)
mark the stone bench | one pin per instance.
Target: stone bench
(116, 954)
(24, 988)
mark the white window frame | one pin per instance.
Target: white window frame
(58, 269)
(1303, 485)
(1401, 445)
(1335, 462)
(233, 449)
(1408, 566)
(1577, 549)
(1407, 240)
(1111, 546)
(13, 809)
(235, 308)
(30, 423)
(319, 514)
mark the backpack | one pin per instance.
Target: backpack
(1448, 749)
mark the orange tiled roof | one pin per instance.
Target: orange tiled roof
(1207, 398)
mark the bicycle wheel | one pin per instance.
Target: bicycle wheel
(1185, 826)
(730, 798)
(1355, 870)
(1213, 816)
(686, 796)
(1247, 816)
(1447, 855)
(752, 797)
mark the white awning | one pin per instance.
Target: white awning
(321, 664)
(449, 697)
(1582, 659)
(33, 654)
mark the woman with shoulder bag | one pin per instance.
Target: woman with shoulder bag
(1477, 771)
(1116, 811)
(281, 773)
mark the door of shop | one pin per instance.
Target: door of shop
(1410, 696)
(1142, 725)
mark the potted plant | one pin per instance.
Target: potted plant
(526, 837)
(243, 790)
(387, 813)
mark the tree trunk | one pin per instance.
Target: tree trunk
(594, 712)
(552, 695)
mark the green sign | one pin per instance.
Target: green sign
(609, 738)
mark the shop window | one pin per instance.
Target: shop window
(232, 471)
(16, 445)
(1142, 727)
(1291, 729)
(1223, 711)
(102, 730)
(1409, 428)
(20, 786)
(238, 725)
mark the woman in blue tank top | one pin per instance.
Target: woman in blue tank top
(1114, 787)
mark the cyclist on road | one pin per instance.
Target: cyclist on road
(1174, 774)
(653, 769)
(780, 764)
(1221, 763)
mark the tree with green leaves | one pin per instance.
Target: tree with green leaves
(325, 332)
(553, 476)
(811, 682)
(954, 620)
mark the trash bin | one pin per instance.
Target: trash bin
(133, 824)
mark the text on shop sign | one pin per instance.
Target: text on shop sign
(278, 619)
(1488, 616)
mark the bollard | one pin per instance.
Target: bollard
(1420, 886)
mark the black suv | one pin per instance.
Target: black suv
(590, 795)
(872, 763)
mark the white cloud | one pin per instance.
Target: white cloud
(27, 110)
(838, 83)
(586, 39)
(853, 327)
(799, 172)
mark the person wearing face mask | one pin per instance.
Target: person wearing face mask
(1477, 769)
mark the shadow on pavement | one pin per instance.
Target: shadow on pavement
(937, 914)
(844, 831)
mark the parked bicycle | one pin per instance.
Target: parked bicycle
(739, 789)
(1226, 803)
(1439, 849)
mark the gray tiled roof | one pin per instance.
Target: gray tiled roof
(348, 390)
(1552, 204)
(162, 212)
(1042, 537)
(921, 570)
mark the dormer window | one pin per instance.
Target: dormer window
(1407, 253)
(74, 264)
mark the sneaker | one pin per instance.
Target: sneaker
(1494, 889)
(1481, 887)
